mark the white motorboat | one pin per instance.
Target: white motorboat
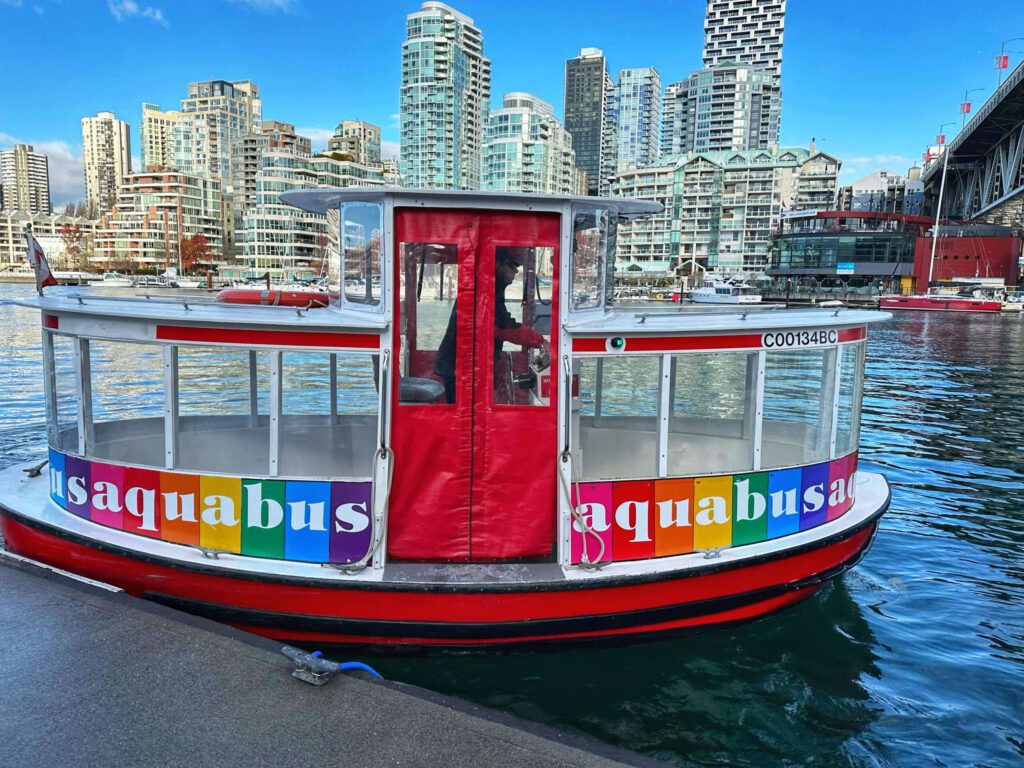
(717, 291)
(112, 280)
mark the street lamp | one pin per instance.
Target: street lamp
(1002, 61)
(940, 139)
(965, 105)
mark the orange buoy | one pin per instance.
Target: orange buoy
(309, 299)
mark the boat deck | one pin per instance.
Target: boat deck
(189, 691)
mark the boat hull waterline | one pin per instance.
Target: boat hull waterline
(412, 615)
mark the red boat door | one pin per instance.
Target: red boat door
(474, 442)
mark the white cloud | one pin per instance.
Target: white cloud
(11, 3)
(270, 6)
(124, 9)
(318, 136)
(67, 179)
(390, 148)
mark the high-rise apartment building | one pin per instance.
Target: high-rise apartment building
(213, 138)
(444, 99)
(24, 180)
(637, 118)
(527, 150)
(156, 136)
(356, 138)
(747, 32)
(721, 207)
(727, 106)
(590, 116)
(156, 209)
(106, 158)
(215, 116)
(282, 239)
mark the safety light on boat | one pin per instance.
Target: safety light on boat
(616, 344)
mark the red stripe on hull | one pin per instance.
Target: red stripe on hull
(404, 608)
(940, 305)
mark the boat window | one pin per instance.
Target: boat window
(711, 425)
(798, 401)
(64, 412)
(851, 387)
(127, 402)
(223, 410)
(593, 254)
(618, 417)
(328, 415)
(360, 243)
(428, 288)
(522, 322)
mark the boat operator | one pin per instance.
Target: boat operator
(508, 259)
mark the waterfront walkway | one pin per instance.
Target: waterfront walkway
(96, 678)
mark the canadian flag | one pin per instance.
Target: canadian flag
(37, 260)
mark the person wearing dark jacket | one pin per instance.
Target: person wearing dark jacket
(506, 327)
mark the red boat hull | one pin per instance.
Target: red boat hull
(407, 615)
(940, 304)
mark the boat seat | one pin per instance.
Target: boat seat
(412, 389)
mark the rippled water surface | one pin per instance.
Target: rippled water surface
(916, 657)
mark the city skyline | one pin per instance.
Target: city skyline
(853, 80)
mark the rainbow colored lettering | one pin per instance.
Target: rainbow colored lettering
(640, 519)
(317, 522)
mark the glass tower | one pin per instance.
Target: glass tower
(637, 117)
(527, 150)
(444, 100)
(590, 117)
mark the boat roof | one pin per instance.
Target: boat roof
(622, 320)
(321, 200)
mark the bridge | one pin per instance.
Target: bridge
(985, 177)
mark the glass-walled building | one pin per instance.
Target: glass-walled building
(637, 117)
(527, 150)
(721, 207)
(724, 107)
(590, 116)
(444, 99)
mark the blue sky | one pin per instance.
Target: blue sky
(872, 80)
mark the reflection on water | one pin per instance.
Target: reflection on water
(915, 658)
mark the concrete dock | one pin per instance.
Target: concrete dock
(90, 677)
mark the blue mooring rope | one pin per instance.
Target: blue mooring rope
(347, 665)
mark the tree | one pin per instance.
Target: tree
(69, 209)
(71, 235)
(193, 250)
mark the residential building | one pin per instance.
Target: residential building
(722, 207)
(637, 118)
(527, 150)
(392, 172)
(46, 228)
(106, 159)
(156, 209)
(216, 137)
(156, 136)
(356, 138)
(888, 252)
(444, 100)
(589, 110)
(284, 240)
(724, 107)
(749, 32)
(24, 180)
(886, 192)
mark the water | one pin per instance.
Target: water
(916, 657)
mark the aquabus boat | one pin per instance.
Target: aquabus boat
(471, 446)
